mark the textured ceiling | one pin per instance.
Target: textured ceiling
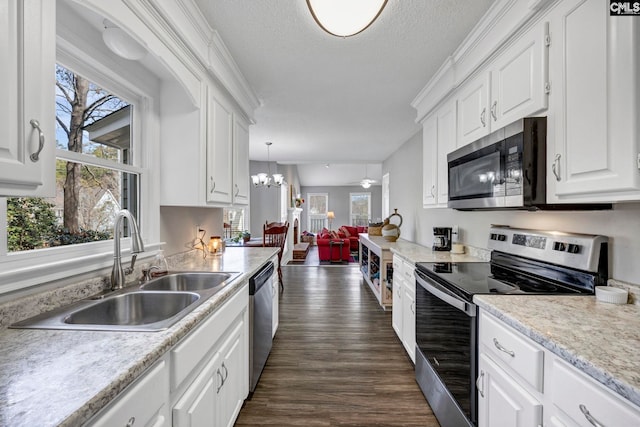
(332, 100)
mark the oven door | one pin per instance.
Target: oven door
(446, 343)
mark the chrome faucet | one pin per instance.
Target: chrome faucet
(117, 272)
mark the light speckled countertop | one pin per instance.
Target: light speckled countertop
(50, 377)
(600, 339)
(413, 252)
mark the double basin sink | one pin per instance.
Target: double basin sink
(153, 306)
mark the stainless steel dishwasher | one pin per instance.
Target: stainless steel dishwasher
(260, 318)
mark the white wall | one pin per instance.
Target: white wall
(339, 199)
(622, 224)
(178, 225)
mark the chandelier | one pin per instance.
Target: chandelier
(366, 181)
(345, 18)
(266, 179)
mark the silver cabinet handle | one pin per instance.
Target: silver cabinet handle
(556, 166)
(36, 125)
(494, 108)
(221, 380)
(433, 191)
(589, 417)
(435, 362)
(482, 117)
(213, 184)
(501, 348)
(237, 191)
(480, 381)
(131, 422)
(226, 373)
(411, 307)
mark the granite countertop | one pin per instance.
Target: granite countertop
(600, 339)
(63, 377)
(414, 252)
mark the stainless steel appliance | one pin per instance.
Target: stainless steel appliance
(505, 169)
(260, 318)
(522, 262)
(441, 238)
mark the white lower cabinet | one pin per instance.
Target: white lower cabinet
(403, 317)
(502, 401)
(275, 294)
(143, 403)
(197, 406)
(520, 383)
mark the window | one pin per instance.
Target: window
(318, 206)
(234, 222)
(360, 209)
(93, 182)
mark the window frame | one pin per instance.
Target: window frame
(309, 215)
(24, 269)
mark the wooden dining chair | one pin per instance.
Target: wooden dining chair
(276, 236)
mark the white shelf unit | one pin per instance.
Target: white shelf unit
(376, 265)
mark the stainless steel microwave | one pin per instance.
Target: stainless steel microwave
(505, 169)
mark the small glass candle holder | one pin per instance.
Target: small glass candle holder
(216, 245)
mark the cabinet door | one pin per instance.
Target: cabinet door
(234, 367)
(397, 308)
(27, 98)
(219, 154)
(197, 406)
(502, 402)
(429, 161)
(143, 403)
(240, 163)
(593, 132)
(518, 78)
(409, 319)
(446, 144)
(473, 109)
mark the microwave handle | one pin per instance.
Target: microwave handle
(441, 293)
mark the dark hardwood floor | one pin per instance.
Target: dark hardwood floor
(336, 360)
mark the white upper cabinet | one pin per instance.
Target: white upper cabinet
(513, 86)
(429, 161)
(446, 144)
(240, 162)
(27, 98)
(593, 132)
(219, 152)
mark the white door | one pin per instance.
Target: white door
(385, 196)
(446, 144)
(409, 319)
(240, 163)
(429, 161)
(235, 377)
(473, 111)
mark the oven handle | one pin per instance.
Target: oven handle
(442, 293)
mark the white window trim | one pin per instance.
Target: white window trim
(21, 270)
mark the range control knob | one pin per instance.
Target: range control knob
(559, 246)
(494, 236)
(502, 237)
(573, 249)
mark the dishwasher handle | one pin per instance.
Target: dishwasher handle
(261, 278)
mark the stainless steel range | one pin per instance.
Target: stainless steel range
(522, 262)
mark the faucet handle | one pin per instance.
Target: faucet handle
(146, 273)
(129, 269)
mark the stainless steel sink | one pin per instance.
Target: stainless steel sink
(135, 308)
(189, 282)
(154, 306)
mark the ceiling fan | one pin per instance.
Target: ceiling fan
(366, 181)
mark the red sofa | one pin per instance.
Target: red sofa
(351, 233)
(333, 253)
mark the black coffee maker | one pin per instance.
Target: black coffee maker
(441, 238)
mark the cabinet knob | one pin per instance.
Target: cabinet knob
(36, 125)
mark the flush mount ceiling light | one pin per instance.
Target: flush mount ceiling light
(266, 179)
(345, 18)
(121, 43)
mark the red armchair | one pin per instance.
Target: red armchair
(351, 233)
(333, 252)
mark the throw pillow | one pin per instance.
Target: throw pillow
(334, 235)
(344, 231)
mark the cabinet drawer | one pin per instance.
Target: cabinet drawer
(194, 347)
(398, 266)
(570, 388)
(511, 350)
(407, 272)
(141, 403)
